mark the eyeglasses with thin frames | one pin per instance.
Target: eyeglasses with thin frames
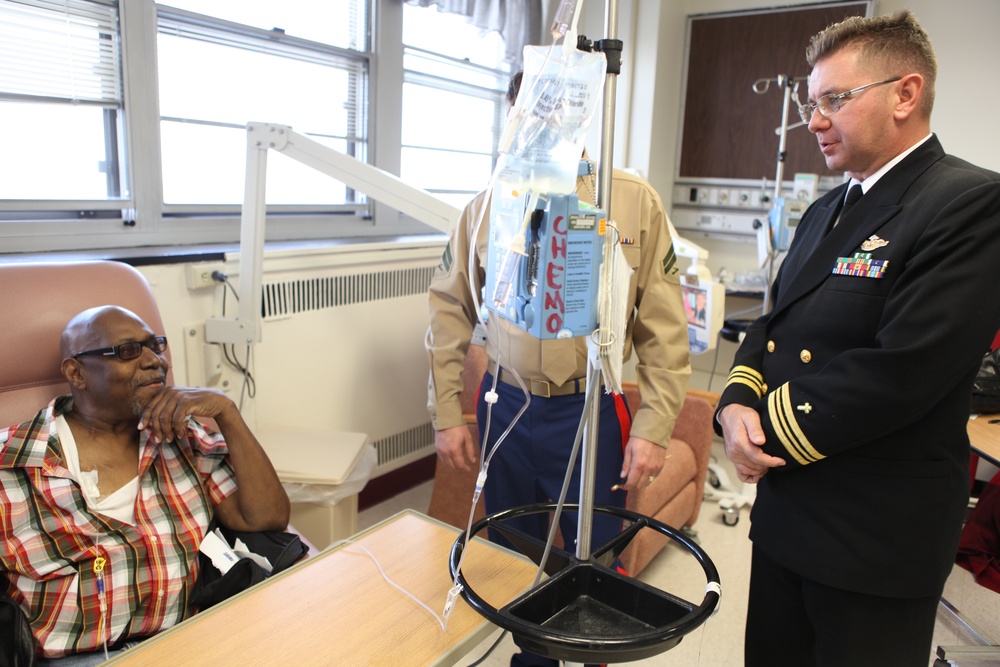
(827, 105)
(128, 351)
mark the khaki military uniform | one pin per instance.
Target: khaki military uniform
(658, 330)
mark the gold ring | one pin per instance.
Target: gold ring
(651, 479)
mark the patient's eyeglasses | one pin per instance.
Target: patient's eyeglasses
(830, 104)
(128, 351)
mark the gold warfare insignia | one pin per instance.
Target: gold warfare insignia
(873, 243)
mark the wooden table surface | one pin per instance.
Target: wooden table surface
(985, 437)
(337, 609)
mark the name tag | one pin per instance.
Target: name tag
(861, 265)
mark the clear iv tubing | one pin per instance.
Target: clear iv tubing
(484, 464)
(577, 440)
(566, 16)
(390, 581)
(473, 247)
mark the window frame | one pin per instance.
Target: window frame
(20, 218)
(140, 218)
(270, 42)
(496, 95)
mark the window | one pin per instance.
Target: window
(453, 103)
(126, 118)
(215, 76)
(61, 104)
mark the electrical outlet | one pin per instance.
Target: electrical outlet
(200, 275)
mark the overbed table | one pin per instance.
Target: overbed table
(335, 608)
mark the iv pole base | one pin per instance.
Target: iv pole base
(588, 612)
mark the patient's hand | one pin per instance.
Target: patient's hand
(166, 412)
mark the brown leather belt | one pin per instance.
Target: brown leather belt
(546, 389)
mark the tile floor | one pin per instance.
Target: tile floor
(719, 641)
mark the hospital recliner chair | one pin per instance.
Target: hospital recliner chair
(37, 300)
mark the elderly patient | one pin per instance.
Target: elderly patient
(105, 494)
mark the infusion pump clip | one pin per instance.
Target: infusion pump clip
(543, 276)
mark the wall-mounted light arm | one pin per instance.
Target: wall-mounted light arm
(245, 328)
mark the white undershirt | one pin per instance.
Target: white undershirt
(118, 505)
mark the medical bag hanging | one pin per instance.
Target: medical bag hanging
(547, 127)
(543, 262)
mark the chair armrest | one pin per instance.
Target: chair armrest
(694, 426)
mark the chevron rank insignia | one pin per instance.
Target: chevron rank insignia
(873, 243)
(861, 265)
(669, 262)
(447, 258)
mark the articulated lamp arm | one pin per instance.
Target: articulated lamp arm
(245, 328)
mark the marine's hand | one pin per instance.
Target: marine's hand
(744, 440)
(164, 416)
(456, 447)
(643, 462)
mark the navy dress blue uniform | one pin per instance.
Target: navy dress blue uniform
(861, 375)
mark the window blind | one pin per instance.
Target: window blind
(60, 50)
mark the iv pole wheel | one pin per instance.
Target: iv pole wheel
(587, 612)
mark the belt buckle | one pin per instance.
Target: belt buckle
(541, 388)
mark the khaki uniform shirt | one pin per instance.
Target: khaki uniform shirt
(658, 329)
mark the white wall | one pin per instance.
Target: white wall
(964, 34)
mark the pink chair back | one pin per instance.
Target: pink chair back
(36, 302)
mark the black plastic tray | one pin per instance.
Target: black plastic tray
(610, 610)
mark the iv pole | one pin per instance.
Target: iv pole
(612, 48)
(555, 618)
(789, 87)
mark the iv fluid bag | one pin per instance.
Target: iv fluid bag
(558, 97)
(540, 161)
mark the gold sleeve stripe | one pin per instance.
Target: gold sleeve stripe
(749, 377)
(786, 426)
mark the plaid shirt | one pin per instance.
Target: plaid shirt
(50, 541)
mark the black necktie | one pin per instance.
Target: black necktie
(853, 195)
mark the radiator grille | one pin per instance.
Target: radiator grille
(318, 297)
(401, 448)
(282, 299)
